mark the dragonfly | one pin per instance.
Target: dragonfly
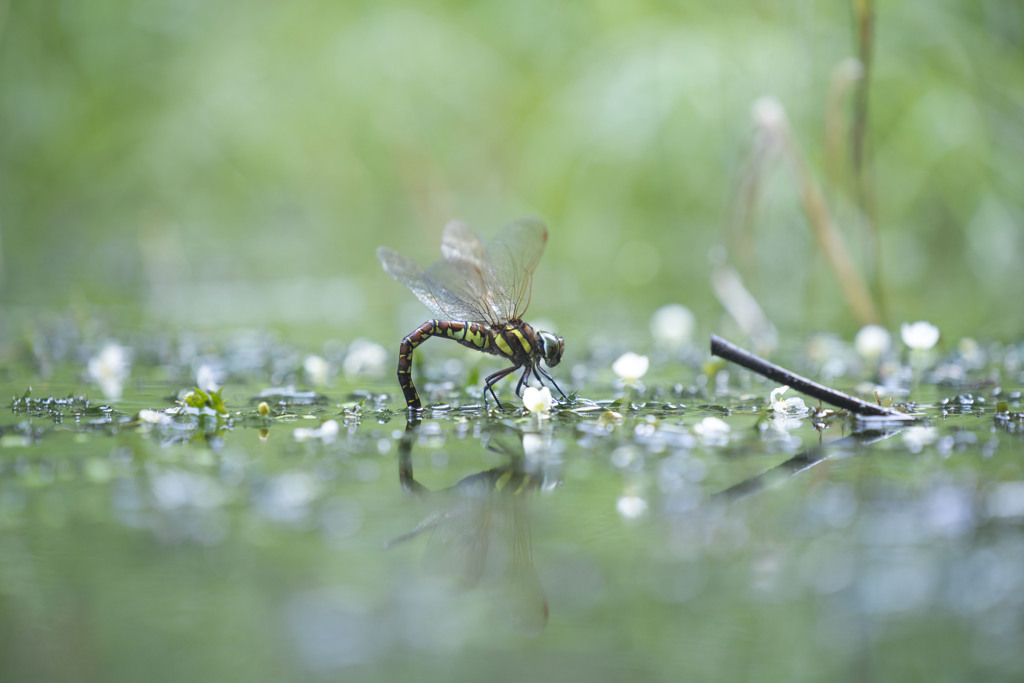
(479, 294)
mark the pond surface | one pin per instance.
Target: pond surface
(688, 531)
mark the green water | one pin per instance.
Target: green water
(633, 546)
(207, 183)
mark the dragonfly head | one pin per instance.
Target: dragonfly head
(551, 348)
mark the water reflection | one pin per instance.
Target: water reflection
(479, 532)
(805, 460)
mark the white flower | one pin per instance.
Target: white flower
(631, 506)
(972, 353)
(316, 368)
(329, 430)
(919, 336)
(538, 401)
(630, 367)
(781, 424)
(209, 377)
(769, 114)
(326, 432)
(154, 417)
(916, 438)
(365, 359)
(672, 325)
(872, 341)
(109, 368)
(712, 431)
(790, 406)
(534, 445)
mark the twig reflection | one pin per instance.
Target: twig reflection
(800, 462)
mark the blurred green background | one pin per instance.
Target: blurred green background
(209, 163)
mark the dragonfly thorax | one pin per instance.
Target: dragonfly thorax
(524, 345)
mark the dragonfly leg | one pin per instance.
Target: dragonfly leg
(538, 371)
(522, 381)
(492, 379)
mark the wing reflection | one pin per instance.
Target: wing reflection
(479, 535)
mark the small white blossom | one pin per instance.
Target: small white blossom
(919, 336)
(631, 506)
(789, 406)
(209, 377)
(329, 430)
(109, 368)
(916, 438)
(872, 341)
(154, 417)
(326, 432)
(365, 358)
(972, 353)
(315, 368)
(672, 325)
(534, 445)
(538, 401)
(781, 424)
(769, 114)
(712, 431)
(630, 367)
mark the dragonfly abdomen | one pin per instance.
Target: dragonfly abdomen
(471, 334)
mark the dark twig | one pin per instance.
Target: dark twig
(733, 353)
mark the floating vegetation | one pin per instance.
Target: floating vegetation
(54, 408)
(669, 485)
(290, 396)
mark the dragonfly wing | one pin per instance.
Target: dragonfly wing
(460, 278)
(459, 242)
(409, 273)
(460, 288)
(457, 550)
(471, 282)
(517, 591)
(511, 258)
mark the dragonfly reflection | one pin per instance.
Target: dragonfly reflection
(479, 535)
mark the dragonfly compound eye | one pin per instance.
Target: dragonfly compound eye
(552, 347)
